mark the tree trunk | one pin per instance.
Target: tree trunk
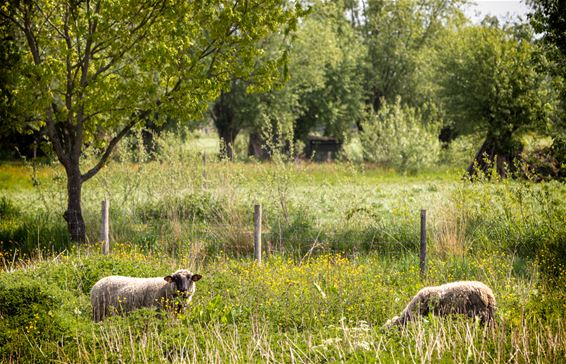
(228, 137)
(256, 147)
(74, 215)
(447, 135)
(495, 155)
(224, 117)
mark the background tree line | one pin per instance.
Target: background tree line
(420, 67)
(401, 77)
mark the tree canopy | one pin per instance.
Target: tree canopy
(91, 70)
(82, 74)
(490, 83)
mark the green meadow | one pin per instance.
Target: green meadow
(340, 258)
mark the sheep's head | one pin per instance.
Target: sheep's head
(393, 322)
(184, 282)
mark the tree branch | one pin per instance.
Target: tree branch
(94, 170)
(48, 21)
(145, 24)
(32, 42)
(69, 90)
(13, 20)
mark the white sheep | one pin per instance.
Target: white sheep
(117, 294)
(466, 297)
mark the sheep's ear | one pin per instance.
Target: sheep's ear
(169, 279)
(196, 277)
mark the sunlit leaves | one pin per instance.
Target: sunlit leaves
(490, 82)
(115, 57)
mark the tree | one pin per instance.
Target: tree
(549, 17)
(323, 91)
(329, 83)
(399, 36)
(490, 83)
(98, 68)
(234, 110)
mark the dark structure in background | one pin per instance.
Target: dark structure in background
(322, 149)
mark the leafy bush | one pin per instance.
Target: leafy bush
(546, 163)
(461, 151)
(397, 137)
(30, 326)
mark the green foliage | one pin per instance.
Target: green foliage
(400, 36)
(491, 83)
(548, 18)
(326, 69)
(397, 137)
(460, 151)
(31, 327)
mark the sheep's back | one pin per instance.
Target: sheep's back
(466, 297)
(127, 292)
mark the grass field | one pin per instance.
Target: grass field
(341, 258)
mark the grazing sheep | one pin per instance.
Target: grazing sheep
(123, 294)
(467, 297)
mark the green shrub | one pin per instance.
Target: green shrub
(461, 151)
(30, 327)
(397, 137)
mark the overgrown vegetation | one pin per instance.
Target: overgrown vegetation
(340, 259)
(409, 91)
(398, 137)
(328, 307)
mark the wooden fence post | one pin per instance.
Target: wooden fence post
(104, 233)
(422, 262)
(257, 233)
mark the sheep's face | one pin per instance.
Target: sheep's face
(184, 282)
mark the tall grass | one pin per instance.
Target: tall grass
(170, 204)
(324, 308)
(341, 241)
